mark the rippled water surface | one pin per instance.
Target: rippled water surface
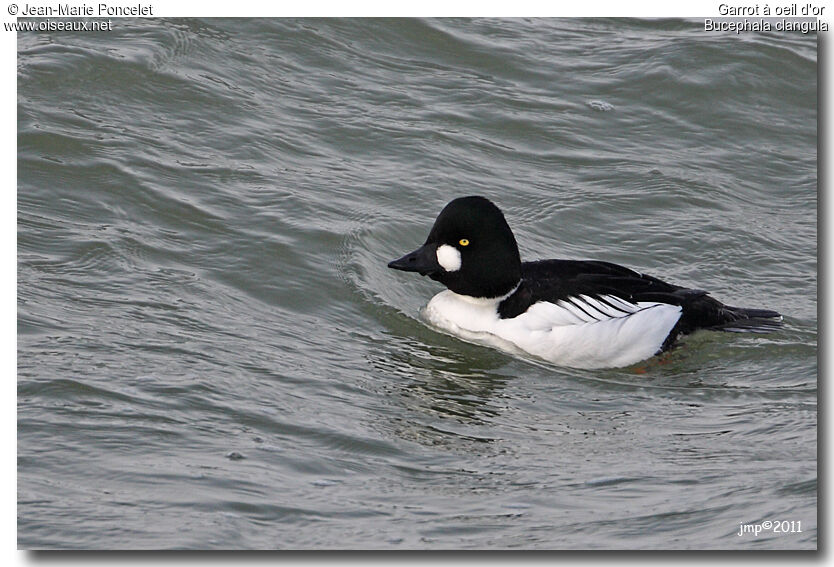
(213, 354)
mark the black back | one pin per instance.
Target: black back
(561, 280)
(555, 280)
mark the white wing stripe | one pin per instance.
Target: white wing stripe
(606, 300)
(606, 309)
(587, 309)
(590, 308)
(573, 310)
(620, 304)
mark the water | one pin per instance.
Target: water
(213, 354)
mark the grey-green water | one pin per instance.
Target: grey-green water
(213, 354)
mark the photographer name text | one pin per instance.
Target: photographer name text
(88, 10)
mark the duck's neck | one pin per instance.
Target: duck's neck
(488, 301)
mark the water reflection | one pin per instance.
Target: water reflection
(440, 394)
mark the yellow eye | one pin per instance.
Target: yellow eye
(463, 242)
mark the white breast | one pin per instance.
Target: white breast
(580, 333)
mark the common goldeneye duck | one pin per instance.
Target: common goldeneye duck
(576, 313)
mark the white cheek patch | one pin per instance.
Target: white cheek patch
(449, 258)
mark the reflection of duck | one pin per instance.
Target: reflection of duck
(582, 314)
(448, 383)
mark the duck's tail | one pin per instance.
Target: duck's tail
(742, 320)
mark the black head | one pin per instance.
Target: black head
(470, 249)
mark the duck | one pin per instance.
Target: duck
(586, 314)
